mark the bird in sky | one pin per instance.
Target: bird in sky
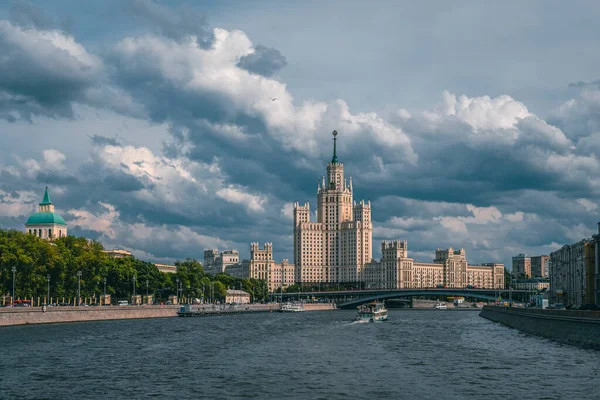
(273, 98)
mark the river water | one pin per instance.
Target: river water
(311, 355)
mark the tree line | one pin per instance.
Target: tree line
(35, 259)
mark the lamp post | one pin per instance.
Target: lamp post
(203, 296)
(147, 282)
(48, 298)
(177, 288)
(78, 288)
(241, 292)
(134, 285)
(105, 288)
(14, 269)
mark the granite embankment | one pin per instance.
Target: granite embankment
(35, 315)
(578, 328)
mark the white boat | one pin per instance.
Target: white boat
(292, 307)
(440, 306)
(372, 312)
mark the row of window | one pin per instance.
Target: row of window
(44, 232)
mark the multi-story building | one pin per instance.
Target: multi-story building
(540, 266)
(531, 284)
(575, 272)
(337, 246)
(521, 266)
(593, 269)
(396, 270)
(262, 265)
(216, 262)
(568, 273)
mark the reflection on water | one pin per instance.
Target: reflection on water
(415, 354)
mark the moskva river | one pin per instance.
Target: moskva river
(311, 355)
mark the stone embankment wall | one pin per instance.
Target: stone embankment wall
(35, 315)
(578, 328)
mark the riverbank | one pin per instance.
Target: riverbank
(54, 315)
(578, 328)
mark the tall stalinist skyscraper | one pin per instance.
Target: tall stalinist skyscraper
(338, 245)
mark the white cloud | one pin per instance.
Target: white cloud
(237, 195)
(102, 222)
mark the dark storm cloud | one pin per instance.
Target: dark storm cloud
(37, 77)
(122, 182)
(264, 61)
(99, 140)
(176, 25)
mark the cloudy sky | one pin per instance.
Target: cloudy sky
(466, 123)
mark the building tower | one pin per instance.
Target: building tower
(46, 224)
(335, 248)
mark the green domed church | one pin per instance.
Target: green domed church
(46, 224)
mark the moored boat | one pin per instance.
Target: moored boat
(372, 312)
(440, 306)
(292, 307)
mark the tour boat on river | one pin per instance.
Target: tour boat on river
(292, 307)
(372, 312)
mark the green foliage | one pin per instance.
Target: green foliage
(34, 259)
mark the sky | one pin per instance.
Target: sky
(467, 124)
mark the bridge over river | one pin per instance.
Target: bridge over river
(353, 298)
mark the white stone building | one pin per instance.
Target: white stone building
(216, 262)
(262, 266)
(396, 270)
(46, 224)
(335, 247)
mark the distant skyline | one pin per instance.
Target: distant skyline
(466, 124)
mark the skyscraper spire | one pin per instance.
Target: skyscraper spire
(334, 160)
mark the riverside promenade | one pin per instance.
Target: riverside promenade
(35, 315)
(577, 328)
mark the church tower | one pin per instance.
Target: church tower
(46, 224)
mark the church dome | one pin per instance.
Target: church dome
(41, 218)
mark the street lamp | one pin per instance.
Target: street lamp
(78, 288)
(105, 289)
(48, 298)
(14, 269)
(147, 287)
(133, 285)
(177, 288)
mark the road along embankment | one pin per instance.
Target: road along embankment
(578, 328)
(35, 315)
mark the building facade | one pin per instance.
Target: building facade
(396, 270)
(337, 246)
(531, 284)
(568, 273)
(521, 266)
(46, 224)
(262, 265)
(216, 262)
(540, 266)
